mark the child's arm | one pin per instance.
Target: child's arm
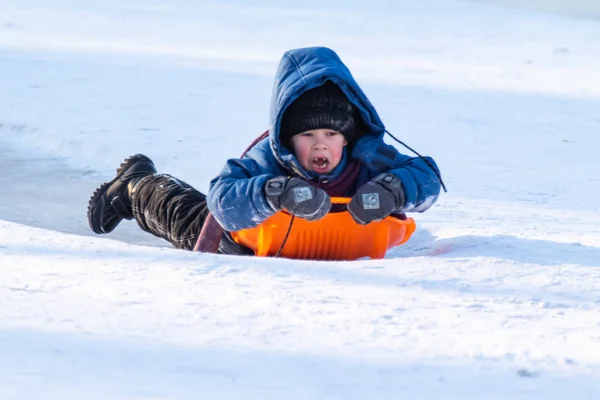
(420, 183)
(236, 197)
(239, 200)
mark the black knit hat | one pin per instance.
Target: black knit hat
(323, 107)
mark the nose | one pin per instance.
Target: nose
(319, 144)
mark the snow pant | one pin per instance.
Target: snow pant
(173, 210)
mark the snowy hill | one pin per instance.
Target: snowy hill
(495, 296)
(576, 8)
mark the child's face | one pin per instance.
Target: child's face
(319, 150)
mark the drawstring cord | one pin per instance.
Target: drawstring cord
(435, 171)
(286, 237)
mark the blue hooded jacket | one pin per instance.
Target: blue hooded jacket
(236, 196)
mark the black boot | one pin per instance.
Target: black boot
(111, 202)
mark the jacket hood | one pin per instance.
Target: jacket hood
(303, 69)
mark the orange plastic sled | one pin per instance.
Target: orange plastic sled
(334, 237)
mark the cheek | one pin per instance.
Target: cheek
(303, 155)
(337, 151)
(302, 151)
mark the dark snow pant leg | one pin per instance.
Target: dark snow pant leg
(170, 209)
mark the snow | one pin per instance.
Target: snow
(494, 297)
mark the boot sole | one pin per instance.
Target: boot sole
(95, 203)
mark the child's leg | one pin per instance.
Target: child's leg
(169, 208)
(162, 205)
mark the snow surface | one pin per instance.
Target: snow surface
(496, 296)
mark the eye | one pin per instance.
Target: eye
(332, 133)
(306, 134)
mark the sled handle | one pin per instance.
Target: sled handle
(210, 236)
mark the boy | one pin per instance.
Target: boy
(325, 139)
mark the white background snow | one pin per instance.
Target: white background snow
(496, 296)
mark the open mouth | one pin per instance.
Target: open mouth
(320, 164)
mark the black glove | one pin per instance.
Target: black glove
(297, 196)
(377, 199)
